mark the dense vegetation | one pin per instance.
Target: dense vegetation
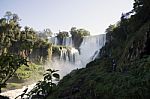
(61, 36)
(8, 66)
(123, 71)
(77, 36)
(17, 47)
(26, 43)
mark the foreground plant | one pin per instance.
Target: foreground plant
(43, 88)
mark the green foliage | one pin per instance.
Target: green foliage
(46, 86)
(140, 5)
(56, 50)
(45, 34)
(96, 82)
(110, 28)
(8, 66)
(23, 42)
(62, 35)
(79, 33)
(12, 86)
(48, 32)
(142, 10)
(25, 73)
(17, 45)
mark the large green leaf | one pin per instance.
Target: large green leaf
(56, 75)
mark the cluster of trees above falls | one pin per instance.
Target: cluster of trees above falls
(123, 70)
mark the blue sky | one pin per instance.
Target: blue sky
(92, 15)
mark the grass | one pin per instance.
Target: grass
(25, 76)
(12, 86)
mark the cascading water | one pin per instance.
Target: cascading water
(67, 41)
(70, 58)
(53, 40)
(12, 94)
(90, 47)
(69, 54)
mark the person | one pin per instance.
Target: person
(113, 65)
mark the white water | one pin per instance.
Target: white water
(70, 58)
(67, 41)
(12, 94)
(69, 55)
(90, 47)
(53, 40)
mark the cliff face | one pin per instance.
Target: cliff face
(41, 53)
(122, 72)
(135, 47)
(36, 52)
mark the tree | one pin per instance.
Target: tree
(48, 32)
(15, 17)
(79, 32)
(26, 31)
(9, 63)
(8, 16)
(142, 10)
(62, 34)
(77, 36)
(110, 28)
(141, 5)
(83, 32)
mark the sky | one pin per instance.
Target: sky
(60, 15)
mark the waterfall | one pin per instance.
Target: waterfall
(70, 58)
(67, 41)
(53, 40)
(90, 47)
(69, 54)
(14, 93)
(73, 55)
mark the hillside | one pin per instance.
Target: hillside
(122, 71)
